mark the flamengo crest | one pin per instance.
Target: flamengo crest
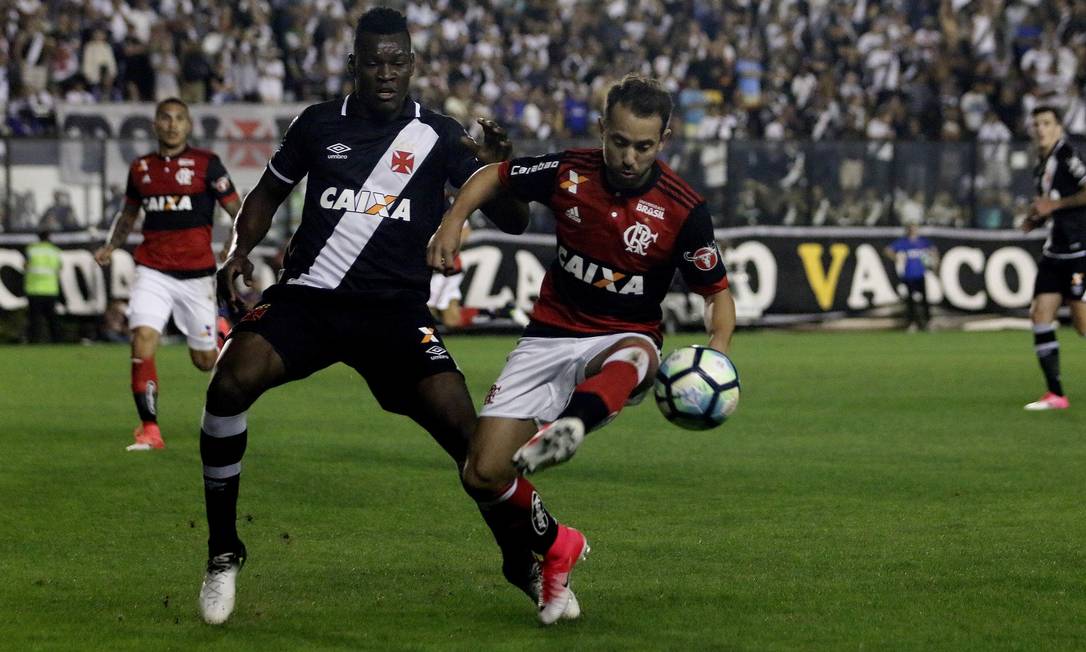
(638, 238)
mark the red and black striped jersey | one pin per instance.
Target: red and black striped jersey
(617, 249)
(178, 195)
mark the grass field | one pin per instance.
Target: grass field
(874, 491)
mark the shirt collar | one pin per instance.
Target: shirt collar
(174, 156)
(654, 175)
(352, 108)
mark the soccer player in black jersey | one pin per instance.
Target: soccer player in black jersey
(355, 273)
(1061, 272)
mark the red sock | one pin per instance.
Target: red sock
(145, 388)
(613, 384)
(467, 316)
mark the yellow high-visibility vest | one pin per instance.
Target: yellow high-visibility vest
(42, 270)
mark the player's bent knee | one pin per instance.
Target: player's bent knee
(203, 360)
(144, 341)
(231, 393)
(481, 478)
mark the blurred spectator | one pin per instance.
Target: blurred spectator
(114, 324)
(139, 75)
(994, 136)
(993, 209)
(99, 65)
(944, 212)
(77, 92)
(909, 207)
(195, 74)
(60, 216)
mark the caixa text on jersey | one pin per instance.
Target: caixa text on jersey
(366, 202)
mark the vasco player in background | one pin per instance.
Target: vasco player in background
(176, 187)
(355, 281)
(625, 222)
(1060, 177)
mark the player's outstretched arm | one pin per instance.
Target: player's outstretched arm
(720, 320)
(482, 187)
(118, 233)
(504, 211)
(232, 208)
(250, 226)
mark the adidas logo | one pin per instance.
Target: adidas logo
(573, 214)
(338, 151)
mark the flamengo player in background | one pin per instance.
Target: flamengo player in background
(1061, 272)
(177, 187)
(625, 222)
(355, 281)
(445, 297)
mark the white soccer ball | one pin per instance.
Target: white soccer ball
(697, 387)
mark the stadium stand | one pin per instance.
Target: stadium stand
(762, 87)
(814, 69)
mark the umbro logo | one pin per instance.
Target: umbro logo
(573, 214)
(338, 150)
(437, 353)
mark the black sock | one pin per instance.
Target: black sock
(1048, 354)
(222, 445)
(518, 517)
(589, 408)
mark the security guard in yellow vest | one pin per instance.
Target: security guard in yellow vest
(42, 286)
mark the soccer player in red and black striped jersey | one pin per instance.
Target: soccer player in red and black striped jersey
(176, 187)
(625, 223)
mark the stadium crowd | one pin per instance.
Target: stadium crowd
(777, 69)
(761, 87)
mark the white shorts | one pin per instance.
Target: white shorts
(444, 290)
(541, 373)
(191, 301)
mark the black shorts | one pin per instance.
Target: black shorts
(1063, 276)
(391, 344)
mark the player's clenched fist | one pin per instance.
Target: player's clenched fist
(444, 247)
(236, 265)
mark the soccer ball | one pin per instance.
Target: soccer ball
(697, 387)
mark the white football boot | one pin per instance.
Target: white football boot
(219, 590)
(553, 444)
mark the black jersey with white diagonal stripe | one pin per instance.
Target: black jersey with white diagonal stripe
(1059, 175)
(375, 195)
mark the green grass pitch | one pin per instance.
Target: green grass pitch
(874, 491)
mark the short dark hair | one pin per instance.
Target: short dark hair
(381, 20)
(171, 100)
(644, 96)
(1047, 108)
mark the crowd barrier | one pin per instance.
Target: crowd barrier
(777, 273)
